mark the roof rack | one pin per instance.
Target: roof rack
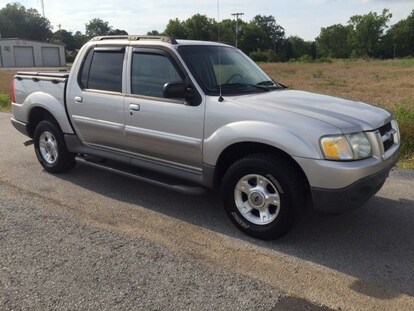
(136, 38)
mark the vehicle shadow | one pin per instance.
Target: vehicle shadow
(374, 243)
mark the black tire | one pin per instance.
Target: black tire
(50, 148)
(269, 191)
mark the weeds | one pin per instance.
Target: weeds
(405, 118)
(5, 102)
(337, 82)
(318, 74)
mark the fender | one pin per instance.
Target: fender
(269, 134)
(48, 102)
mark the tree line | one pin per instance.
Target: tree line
(262, 37)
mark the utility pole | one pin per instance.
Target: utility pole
(237, 25)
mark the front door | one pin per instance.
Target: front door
(168, 131)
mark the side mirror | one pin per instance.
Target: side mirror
(174, 90)
(178, 90)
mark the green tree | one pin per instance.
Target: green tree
(97, 27)
(399, 39)
(80, 39)
(367, 32)
(333, 41)
(153, 33)
(117, 32)
(200, 27)
(66, 38)
(300, 47)
(272, 36)
(252, 38)
(176, 28)
(17, 21)
(228, 31)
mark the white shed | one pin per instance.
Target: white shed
(26, 53)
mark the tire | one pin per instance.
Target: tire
(263, 195)
(50, 148)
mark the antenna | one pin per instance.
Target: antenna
(220, 99)
(42, 3)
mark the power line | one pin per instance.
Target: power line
(237, 25)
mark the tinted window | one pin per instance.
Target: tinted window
(102, 70)
(86, 66)
(150, 72)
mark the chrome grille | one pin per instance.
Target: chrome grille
(387, 135)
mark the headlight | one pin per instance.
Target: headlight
(354, 146)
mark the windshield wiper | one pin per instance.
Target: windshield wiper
(243, 85)
(272, 84)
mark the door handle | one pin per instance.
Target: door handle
(78, 99)
(134, 107)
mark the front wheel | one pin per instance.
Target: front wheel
(263, 195)
(50, 148)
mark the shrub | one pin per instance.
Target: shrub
(306, 59)
(405, 118)
(258, 56)
(324, 60)
(4, 102)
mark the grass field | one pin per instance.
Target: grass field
(388, 84)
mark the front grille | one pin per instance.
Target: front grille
(387, 135)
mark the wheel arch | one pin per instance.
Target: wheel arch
(37, 115)
(240, 150)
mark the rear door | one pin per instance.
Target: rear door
(95, 100)
(157, 128)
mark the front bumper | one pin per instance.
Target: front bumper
(340, 186)
(336, 201)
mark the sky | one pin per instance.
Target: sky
(303, 18)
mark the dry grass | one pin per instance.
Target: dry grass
(6, 75)
(384, 83)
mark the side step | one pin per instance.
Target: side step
(151, 178)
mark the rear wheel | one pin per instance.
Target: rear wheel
(50, 148)
(263, 195)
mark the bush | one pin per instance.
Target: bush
(324, 60)
(306, 59)
(4, 102)
(259, 56)
(405, 118)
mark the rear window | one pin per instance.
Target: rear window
(102, 70)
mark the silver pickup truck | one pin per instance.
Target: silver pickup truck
(191, 115)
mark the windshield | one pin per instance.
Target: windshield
(227, 68)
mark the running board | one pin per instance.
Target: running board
(154, 179)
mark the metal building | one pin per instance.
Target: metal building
(16, 52)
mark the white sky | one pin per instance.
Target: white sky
(303, 18)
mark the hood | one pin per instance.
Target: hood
(347, 115)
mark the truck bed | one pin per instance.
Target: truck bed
(31, 82)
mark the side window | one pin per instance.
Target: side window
(150, 72)
(102, 70)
